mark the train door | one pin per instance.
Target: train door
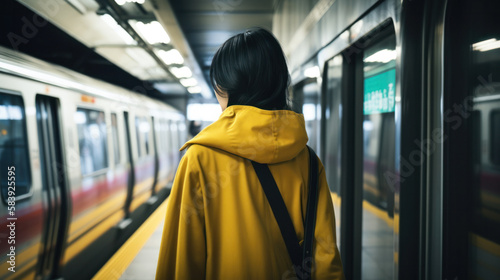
(130, 160)
(174, 134)
(375, 176)
(470, 109)
(170, 150)
(54, 188)
(337, 149)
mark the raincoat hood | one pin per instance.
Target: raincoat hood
(264, 136)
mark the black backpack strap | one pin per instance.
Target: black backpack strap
(280, 212)
(312, 203)
(299, 256)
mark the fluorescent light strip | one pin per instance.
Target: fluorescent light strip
(152, 32)
(382, 56)
(189, 82)
(312, 72)
(172, 56)
(193, 90)
(486, 45)
(181, 72)
(123, 2)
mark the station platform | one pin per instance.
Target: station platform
(138, 256)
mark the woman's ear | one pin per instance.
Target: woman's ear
(222, 99)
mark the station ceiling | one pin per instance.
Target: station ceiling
(88, 36)
(207, 24)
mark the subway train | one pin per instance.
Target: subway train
(402, 103)
(81, 162)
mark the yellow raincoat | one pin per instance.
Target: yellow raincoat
(219, 224)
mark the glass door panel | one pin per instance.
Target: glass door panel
(379, 160)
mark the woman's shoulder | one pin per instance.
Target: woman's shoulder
(202, 153)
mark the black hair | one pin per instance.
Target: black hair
(251, 69)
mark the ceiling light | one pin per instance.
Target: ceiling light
(382, 56)
(196, 89)
(152, 32)
(122, 2)
(189, 82)
(181, 72)
(111, 22)
(312, 72)
(172, 56)
(486, 45)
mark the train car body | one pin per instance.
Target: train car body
(405, 97)
(78, 158)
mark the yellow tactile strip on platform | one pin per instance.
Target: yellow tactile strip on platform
(117, 264)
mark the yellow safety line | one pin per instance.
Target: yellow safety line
(371, 189)
(379, 213)
(336, 199)
(396, 222)
(117, 265)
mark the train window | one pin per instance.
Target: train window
(495, 137)
(175, 137)
(379, 80)
(145, 127)
(92, 140)
(160, 129)
(13, 147)
(138, 135)
(333, 132)
(142, 127)
(182, 132)
(114, 134)
(174, 133)
(166, 137)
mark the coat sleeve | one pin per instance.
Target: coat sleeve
(327, 263)
(183, 247)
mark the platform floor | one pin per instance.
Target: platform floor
(137, 258)
(143, 267)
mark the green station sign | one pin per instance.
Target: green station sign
(379, 93)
